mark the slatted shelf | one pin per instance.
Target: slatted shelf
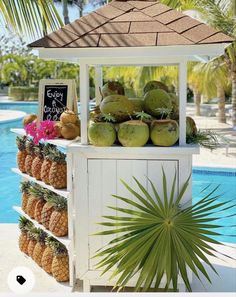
(65, 286)
(63, 143)
(62, 192)
(64, 240)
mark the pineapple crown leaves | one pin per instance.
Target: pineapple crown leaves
(21, 142)
(38, 150)
(59, 249)
(25, 186)
(47, 149)
(29, 146)
(50, 197)
(32, 233)
(59, 202)
(37, 191)
(155, 237)
(51, 241)
(142, 115)
(57, 156)
(25, 224)
(40, 236)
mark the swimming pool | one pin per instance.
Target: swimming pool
(9, 182)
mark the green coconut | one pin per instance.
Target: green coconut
(155, 101)
(112, 88)
(119, 106)
(133, 133)
(154, 84)
(191, 128)
(137, 103)
(164, 132)
(101, 134)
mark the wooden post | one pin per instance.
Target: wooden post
(182, 102)
(98, 83)
(84, 101)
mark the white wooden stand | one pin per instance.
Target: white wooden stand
(97, 176)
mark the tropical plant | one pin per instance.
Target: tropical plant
(220, 14)
(161, 236)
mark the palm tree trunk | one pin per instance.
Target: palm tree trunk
(197, 100)
(221, 103)
(65, 12)
(233, 77)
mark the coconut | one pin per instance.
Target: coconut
(101, 134)
(120, 107)
(137, 104)
(68, 116)
(191, 128)
(58, 127)
(29, 118)
(157, 99)
(112, 88)
(70, 131)
(164, 132)
(154, 84)
(133, 133)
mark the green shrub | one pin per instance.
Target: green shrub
(23, 93)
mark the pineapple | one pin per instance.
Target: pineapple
(30, 156)
(58, 224)
(24, 226)
(39, 205)
(25, 194)
(58, 170)
(39, 247)
(36, 193)
(48, 208)
(46, 163)
(22, 153)
(38, 161)
(32, 233)
(48, 255)
(60, 263)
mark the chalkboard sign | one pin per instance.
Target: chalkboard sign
(55, 102)
(55, 96)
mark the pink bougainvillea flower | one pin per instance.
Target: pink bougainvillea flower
(47, 130)
(31, 129)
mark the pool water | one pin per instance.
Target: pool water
(9, 182)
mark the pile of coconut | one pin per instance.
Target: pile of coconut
(136, 122)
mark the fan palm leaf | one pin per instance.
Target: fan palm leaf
(161, 236)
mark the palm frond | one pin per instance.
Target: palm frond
(34, 18)
(158, 237)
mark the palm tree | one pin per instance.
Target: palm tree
(65, 12)
(195, 82)
(221, 15)
(230, 60)
(34, 18)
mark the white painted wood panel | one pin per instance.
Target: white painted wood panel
(104, 180)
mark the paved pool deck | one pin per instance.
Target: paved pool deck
(10, 257)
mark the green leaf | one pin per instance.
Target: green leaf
(158, 238)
